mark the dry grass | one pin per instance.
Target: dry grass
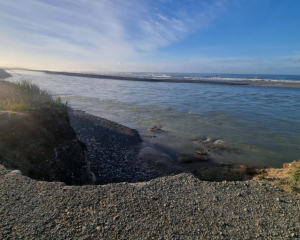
(25, 95)
(289, 186)
(295, 173)
(289, 176)
(260, 176)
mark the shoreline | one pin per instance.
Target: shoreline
(169, 160)
(163, 206)
(260, 83)
(140, 161)
(111, 77)
(114, 149)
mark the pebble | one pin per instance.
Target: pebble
(110, 148)
(16, 172)
(139, 210)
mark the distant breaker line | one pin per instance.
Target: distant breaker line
(111, 77)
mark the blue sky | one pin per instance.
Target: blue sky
(215, 36)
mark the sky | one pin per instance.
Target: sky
(205, 36)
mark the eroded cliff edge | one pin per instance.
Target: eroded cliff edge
(36, 136)
(42, 145)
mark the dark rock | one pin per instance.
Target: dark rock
(149, 136)
(228, 165)
(155, 129)
(189, 158)
(201, 153)
(209, 151)
(216, 146)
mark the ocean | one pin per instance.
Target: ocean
(206, 76)
(263, 123)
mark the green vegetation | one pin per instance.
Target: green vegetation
(289, 185)
(295, 173)
(260, 176)
(25, 95)
(292, 181)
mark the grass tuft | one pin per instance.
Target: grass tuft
(260, 176)
(25, 95)
(295, 173)
(287, 185)
(292, 183)
(58, 103)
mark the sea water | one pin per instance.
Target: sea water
(263, 123)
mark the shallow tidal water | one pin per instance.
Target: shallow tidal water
(263, 123)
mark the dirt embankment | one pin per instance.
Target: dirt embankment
(4, 74)
(42, 145)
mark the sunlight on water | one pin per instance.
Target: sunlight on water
(262, 122)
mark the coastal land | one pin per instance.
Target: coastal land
(111, 77)
(4, 74)
(262, 83)
(140, 193)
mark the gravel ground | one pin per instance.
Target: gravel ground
(170, 207)
(113, 149)
(174, 207)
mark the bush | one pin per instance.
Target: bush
(25, 95)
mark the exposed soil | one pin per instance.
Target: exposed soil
(42, 144)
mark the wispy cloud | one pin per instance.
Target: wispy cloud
(99, 31)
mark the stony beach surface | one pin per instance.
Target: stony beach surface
(174, 207)
(168, 207)
(113, 149)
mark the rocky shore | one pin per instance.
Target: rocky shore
(174, 207)
(141, 194)
(118, 154)
(167, 207)
(113, 149)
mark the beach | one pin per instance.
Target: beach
(129, 187)
(113, 149)
(177, 206)
(261, 123)
(155, 120)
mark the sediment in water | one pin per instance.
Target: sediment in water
(43, 145)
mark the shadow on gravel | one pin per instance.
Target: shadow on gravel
(113, 150)
(116, 156)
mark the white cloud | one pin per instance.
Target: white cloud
(96, 31)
